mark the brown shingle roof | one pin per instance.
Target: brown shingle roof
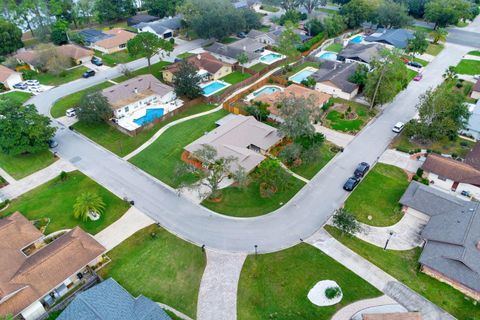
(74, 51)
(28, 56)
(120, 36)
(393, 316)
(23, 279)
(5, 73)
(473, 157)
(452, 169)
(205, 61)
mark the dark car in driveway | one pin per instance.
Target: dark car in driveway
(415, 64)
(351, 183)
(88, 74)
(361, 170)
(97, 61)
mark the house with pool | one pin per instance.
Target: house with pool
(363, 53)
(397, 38)
(334, 78)
(138, 101)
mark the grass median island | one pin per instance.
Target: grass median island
(24, 165)
(378, 195)
(17, 96)
(122, 144)
(236, 77)
(55, 80)
(161, 157)
(459, 147)
(347, 116)
(470, 67)
(403, 265)
(275, 285)
(155, 70)
(55, 200)
(160, 266)
(112, 59)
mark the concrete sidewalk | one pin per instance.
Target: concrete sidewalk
(338, 138)
(4, 174)
(351, 309)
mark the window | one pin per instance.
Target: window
(127, 109)
(442, 178)
(123, 45)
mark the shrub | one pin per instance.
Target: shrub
(4, 204)
(402, 149)
(310, 43)
(459, 85)
(332, 292)
(464, 143)
(29, 74)
(63, 176)
(419, 172)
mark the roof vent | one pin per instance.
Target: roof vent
(135, 90)
(199, 56)
(478, 245)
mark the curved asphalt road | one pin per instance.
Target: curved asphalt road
(298, 219)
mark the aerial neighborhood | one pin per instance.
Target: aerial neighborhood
(240, 159)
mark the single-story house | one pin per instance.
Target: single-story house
(476, 91)
(139, 18)
(452, 175)
(392, 316)
(9, 77)
(472, 128)
(209, 67)
(35, 274)
(363, 53)
(230, 54)
(136, 94)
(241, 137)
(272, 37)
(109, 300)
(394, 37)
(164, 28)
(334, 78)
(110, 41)
(90, 36)
(78, 54)
(26, 57)
(248, 45)
(451, 252)
(293, 90)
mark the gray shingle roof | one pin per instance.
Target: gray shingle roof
(360, 52)
(93, 35)
(110, 301)
(395, 37)
(160, 26)
(248, 44)
(337, 73)
(230, 52)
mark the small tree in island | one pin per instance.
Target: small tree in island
(87, 204)
(186, 81)
(346, 222)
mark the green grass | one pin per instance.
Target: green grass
(403, 265)
(311, 169)
(302, 66)
(462, 24)
(185, 55)
(326, 10)
(17, 96)
(112, 59)
(269, 8)
(248, 202)
(155, 70)
(444, 146)
(335, 47)
(24, 165)
(426, 30)
(434, 49)
(258, 67)
(60, 106)
(264, 28)
(162, 267)
(122, 144)
(471, 67)
(236, 77)
(55, 200)
(67, 76)
(275, 285)
(228, 40)
(411, 74)
(474, 53)
(422, 62)
(336, 122)
(162, 156)
(378, 195)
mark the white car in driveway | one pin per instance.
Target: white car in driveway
(398, 127)
(32, 83)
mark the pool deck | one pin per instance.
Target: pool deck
(252, 95)
(291, 78)
(128, 123)
(268, 52)
(226, 85)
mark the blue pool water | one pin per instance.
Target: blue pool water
(302, 75)
(357, 39)
(268, 90)
(329, 56)
(269, 58)
(149, 116)
(213, 87)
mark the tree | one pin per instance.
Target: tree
(291, 15)
(446, 12)
(393, 15)
(161, 8)
(356, 12)
(314, 27)
(242, 58)
(259, 110)
(23, 129)
(288, 42)
(439, 34)
(10, 37)
(214, 170)
(147, 44)
(450, 74)
(59, 32)
(360, 75)
(297, 116)
(271, 177)
(83, 11)
(94, 108)
(334, 25)
(252, 19)
(186, 81)
(418, 44)
(310, 5)
(62, 10)
(87, 203)
(49, 59)
(113, 10)
(346, 222)
(416, 8)
(290, 4)
(388, 76)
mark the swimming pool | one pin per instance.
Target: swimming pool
(267, 90)
(271, 58)
(332, 56)
(213, 87)
(357, 39)
(150, 115)
(302, 75)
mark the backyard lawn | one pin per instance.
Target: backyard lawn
(122, 144)
(236, 77)
(248, 202)
(459, 147)
(161, 157)
(309, 170)
(160, 266)
(55, 200)
(434, 49)
(67, 76)
(403, 265)
(155, 70)
(334, 47)
(16, 96)
(275, 285)
(258, 67)
(378, 195)
(466, 66)
(112, 59)
(341, 119)
(23, 165)
(302, 66)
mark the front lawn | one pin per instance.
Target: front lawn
(55, 200)
(422, 62)
(411, 74)
(161, 157)
(60, 106)
(112, 59)
(247, 202)
(258, 67)
(56, 80)
(434, 49)
(335, 47)
(326, 10)
(269, 8)
(236, 77)
(459, 147)
(228, 40)
(470, 67)
(155, 70)
(17, 96)
(24, 165)
(474, 53)
(185, 55)
(309, 170)
(347, 116)
(275, 285)
(164, 268)
(403, 265)
(378, 195)
(122, 144)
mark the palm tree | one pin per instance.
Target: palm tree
(85, 203)
(439, 34)
(450, 74)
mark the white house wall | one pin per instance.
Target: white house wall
(447, 186)
(33, 311)
(128, 109)
(336, 92)
(12, 80)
